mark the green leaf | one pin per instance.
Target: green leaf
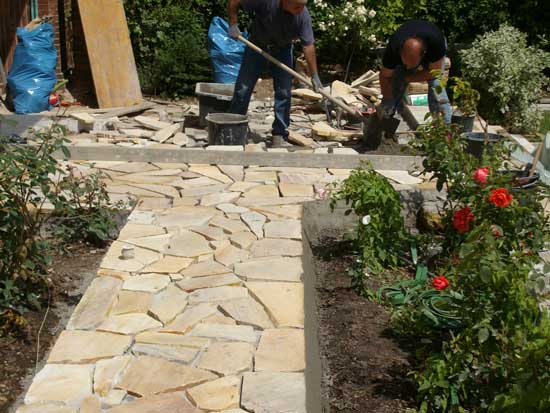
(483, 335)
(66, 151)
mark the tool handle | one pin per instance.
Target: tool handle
(303, 79)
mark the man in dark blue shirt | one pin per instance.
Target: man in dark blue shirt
(276, 24)
(414, 50)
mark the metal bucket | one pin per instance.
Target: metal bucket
(227, 129)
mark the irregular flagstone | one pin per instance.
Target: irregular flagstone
(154, 204)
(167, 304)
(234, 411)
(210, 171)
(191, 284)
(156, 243)
(113, 259)
(141, 217)
(283, 229)
(96, 303)
(183, 354)
(139, 230)
(146, 376)
(255, 222)
(243, 239)
(270, 247)
(218, 394)
(271, 269)
(230, 255)
(188, 244)
(292, 170)
(218, 318)
(210, 233)
(91, 404)
(274, 392)
(133, 190)
(165, 403)
(225, 332)
(186, 201)
(152, 283)
(132, 302)
(258, 202)
(227, 358)
(46, 408)
(299, 178)
(219, 198)
(341, 172)
(201, 181)
(169, 264)
(107, 372)
(165, 172)
(247, 311)
(243, 186)
(217, 294)
(114, 397)
(84, 347)
(235, 172)
(284, 302)
(143, 179)
(130, 167)
(231, 208)
(228, 225)
(129, 324)
(281, 350)
(296, 189)
(202, 190)
(260, 176)
(67, 383)
(263, 191)
(186, 216)
(285, 211)
(169, 339)
(121, 275)
(190, 317)
(203, 269)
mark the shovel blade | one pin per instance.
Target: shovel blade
(372, 132)
(389, 126)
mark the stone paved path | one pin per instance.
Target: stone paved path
(205, 313)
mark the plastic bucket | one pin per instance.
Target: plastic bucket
(213, 98)
(466, 122)
(476, 142)
(227, 129)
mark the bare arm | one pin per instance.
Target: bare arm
(386, 76)
(425, 75)
(232, 11)
(311, 59)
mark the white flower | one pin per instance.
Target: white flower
(361, 11)
(372, 38)
(322, 27)
(372, 13)
(346, 28)
(366, 220)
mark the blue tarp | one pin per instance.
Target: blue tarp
(32, 75)
(226, 53)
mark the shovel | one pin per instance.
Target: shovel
(373, 125)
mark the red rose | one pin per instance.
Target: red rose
(462, 219)
(480, 175)
(501, 197)
(440, 282)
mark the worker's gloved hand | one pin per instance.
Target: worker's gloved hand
(316, 82)
(234, 31)
(387, 108)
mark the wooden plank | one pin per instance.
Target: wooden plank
(110, 52)
(126, 111)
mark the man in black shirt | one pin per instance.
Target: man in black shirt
(414, 50)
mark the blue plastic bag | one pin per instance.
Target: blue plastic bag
(32, 75)
(226, 53)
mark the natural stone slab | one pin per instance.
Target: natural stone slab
(218, 318)
(228, 225)
(255, 203)
(243, 240)
(235, 410)
(283, 301)
(219, 198)
(231, 208)
(401, 177)
(91, 404)
(199, 182)
(188, 319)
(169, 264)
(225, 332)
(210, 233)
(141, 217)
(129, 167)
(168, 339)
(107, 373)
(283, 229)
(146, 376)
(113, 259)
(202, 190)
(186, 216)
(230, 255)
(227, 358)
(129, 324)
(114, 397)
(46, 408)
(296, 189)
(274, 392)
(132, 302)
(216, 294)
(235, 172)
(95, 304)
(255, 222)
(282, 211)
(173, 353)
(191, 284)
(243, 186)
(218, 394)
(163, 190)
(66, 383)
(281, 350)
(167, 304)
(247, 311)
(260, 176)
(188, 244)
(166, 133)
(263, 191)
(154, 204)
(271, 269)
(210, 171)
(84, 347)
(151, 123)
(139, 230)
(156, 243)
(165, 403)
(203, 269)
(152, 283)
(270, 247)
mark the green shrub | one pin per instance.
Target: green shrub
(509, 75)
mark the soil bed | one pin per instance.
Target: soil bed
(70, 277)
(364, 366)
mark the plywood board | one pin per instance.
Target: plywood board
(110, 53)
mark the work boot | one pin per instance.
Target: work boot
(278, 141)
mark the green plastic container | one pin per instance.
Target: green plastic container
(418, 100)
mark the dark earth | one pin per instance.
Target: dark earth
(364, 366)
(70, 276)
